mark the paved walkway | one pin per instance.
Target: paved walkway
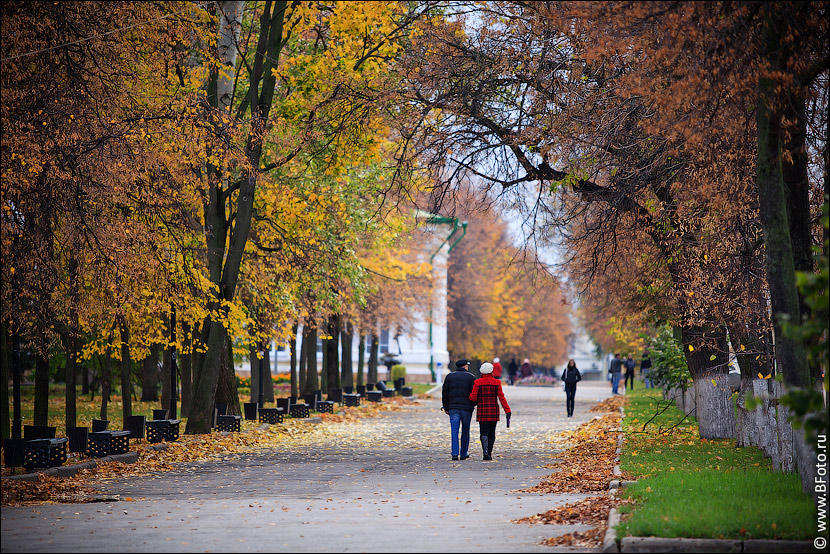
(381, 485)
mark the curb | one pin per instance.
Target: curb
(72, 470)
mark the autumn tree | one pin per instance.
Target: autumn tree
(498, 307)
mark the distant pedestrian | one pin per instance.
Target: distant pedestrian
(526, 370)
(512, 371)
(455, 399)
(614, 371)
(645, 368)
(570, 377)
(629, 365)
(487, 395)
(496, 369)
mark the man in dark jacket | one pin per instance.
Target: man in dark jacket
(512, 370)
(455, 397)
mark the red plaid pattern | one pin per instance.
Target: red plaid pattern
(487, 394)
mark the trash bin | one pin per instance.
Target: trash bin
(135, 425)
(77, 438)
(250, 411)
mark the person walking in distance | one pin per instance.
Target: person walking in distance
(456, 403)
(496, 369)
(629, 365)
(570, 377)
(615, 370)
(526, 370)
(645, 367)
(512, 370)
(487, 395)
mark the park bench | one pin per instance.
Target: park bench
(229, 423)
(351, 400)
(271, 415)
(44, 452)
(104, 443)
(374, 395)
(159, 430)
(325, 406)
(299, 410)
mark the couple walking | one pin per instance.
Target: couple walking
(460, 394)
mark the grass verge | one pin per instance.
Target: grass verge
(691, 487)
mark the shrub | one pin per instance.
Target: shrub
(669, 369)
(398, 371)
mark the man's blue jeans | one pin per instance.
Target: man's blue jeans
(460, 420)
(615, 383)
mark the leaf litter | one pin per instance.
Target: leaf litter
(587, 466)
(254, 437)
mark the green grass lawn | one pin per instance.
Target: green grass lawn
(691, 487)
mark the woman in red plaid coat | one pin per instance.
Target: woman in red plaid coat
(487, 394)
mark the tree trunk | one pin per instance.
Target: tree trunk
(346, 369)
(765, 425)
(324, 375)
(106, 372)
(5, 365)
(751, 354)
(361, 355)
(226, 391)
(333, 369)
(84, 379)
(269, 377)
(784, 432)
(302, 355)
(70, 348)
(41, 412)
(708, 360)
(292, 344)
(126, 370)
(254, 366)
(167, 363)
(186, 365)
(310, 343)
(224, 251)
(150, 375)
(775, 201)
(373, 358)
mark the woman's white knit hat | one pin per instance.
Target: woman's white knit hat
(486, 368)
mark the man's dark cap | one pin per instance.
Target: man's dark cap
(462, 362)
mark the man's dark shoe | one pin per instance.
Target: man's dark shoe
(465, 457)
(455, 457)
(488, 457)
